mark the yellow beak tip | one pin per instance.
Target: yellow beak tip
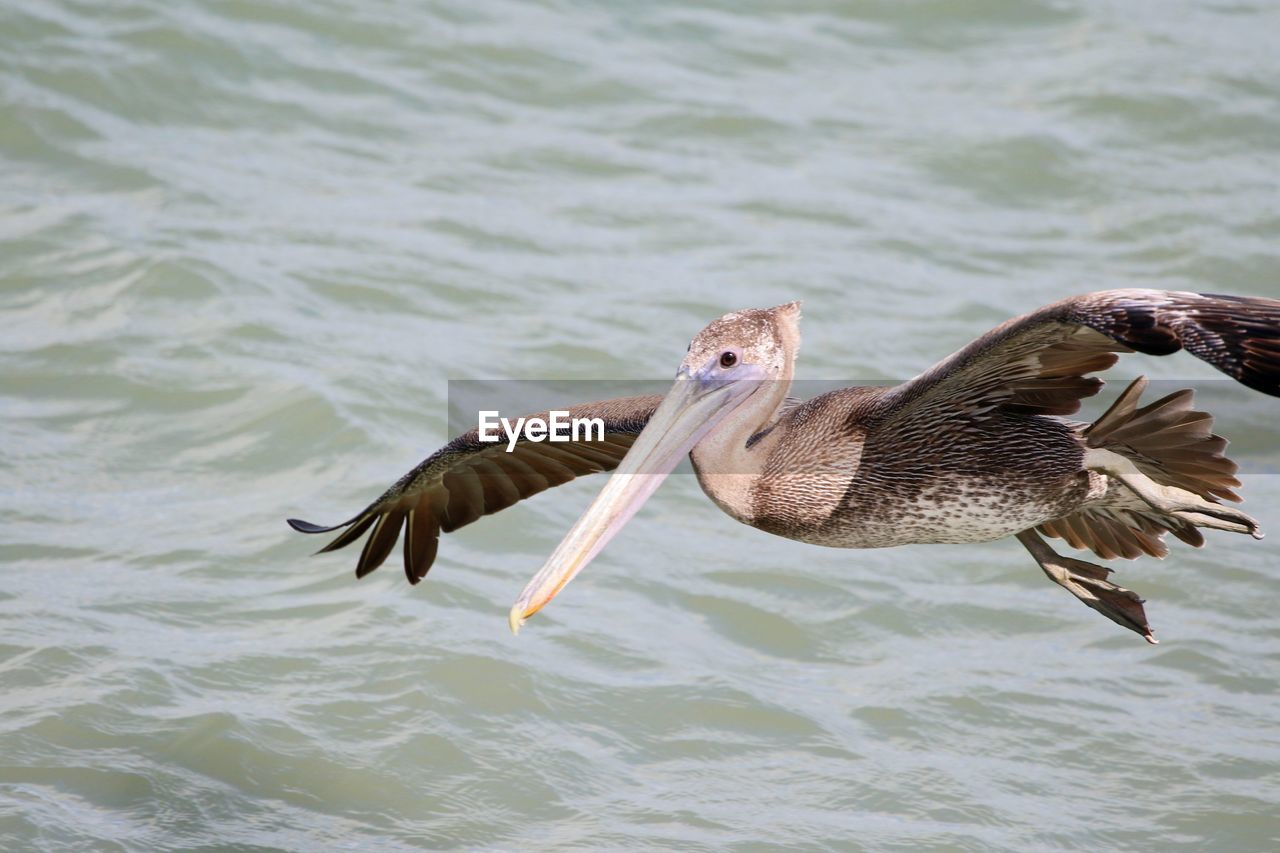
(515, 619)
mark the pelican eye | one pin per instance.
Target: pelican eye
(728, 358)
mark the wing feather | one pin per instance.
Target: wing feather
(423, 539)
(467, 479)
(1037, 363)
(380, 541)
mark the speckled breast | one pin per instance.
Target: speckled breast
(976, 488)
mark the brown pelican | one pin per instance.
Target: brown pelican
(973, 449)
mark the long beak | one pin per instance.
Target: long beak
(691, 409)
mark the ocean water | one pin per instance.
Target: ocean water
(245, 246)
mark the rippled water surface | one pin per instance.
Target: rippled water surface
(245, 245)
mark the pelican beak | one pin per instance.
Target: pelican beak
(695, 405)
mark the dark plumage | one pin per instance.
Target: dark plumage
(468, 478)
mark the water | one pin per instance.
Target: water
(245, 246)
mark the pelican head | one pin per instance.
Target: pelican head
(730, 361)
(765, 337)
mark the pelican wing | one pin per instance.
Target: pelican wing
(468, 478)
(1037, 363)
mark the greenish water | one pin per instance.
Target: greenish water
(244, 246)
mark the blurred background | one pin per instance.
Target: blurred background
(244, 246)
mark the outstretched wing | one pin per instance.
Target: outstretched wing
(1037, 363)
(468, 478)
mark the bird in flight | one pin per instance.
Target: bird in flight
(974, 449)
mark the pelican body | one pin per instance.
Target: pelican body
(974, 449)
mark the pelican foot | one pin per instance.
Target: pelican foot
(1088, 582)
(1202, 519)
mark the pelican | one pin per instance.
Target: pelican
(974, 449)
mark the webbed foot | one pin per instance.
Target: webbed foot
(1088, 582)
